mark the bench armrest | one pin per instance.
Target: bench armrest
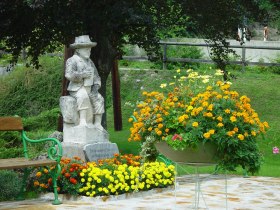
(54, 151)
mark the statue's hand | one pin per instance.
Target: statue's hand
(87, 74)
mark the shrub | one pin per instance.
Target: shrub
(183, 52)
(9, 185)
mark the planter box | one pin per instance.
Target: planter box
(205, 153)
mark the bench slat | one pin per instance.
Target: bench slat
(11, 124)
(15, 163)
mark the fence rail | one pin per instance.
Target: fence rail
(242, 62)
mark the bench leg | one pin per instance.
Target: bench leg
(23, 185)
(55, 173)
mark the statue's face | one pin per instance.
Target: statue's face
(84, 52)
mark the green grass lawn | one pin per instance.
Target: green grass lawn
(262, 87)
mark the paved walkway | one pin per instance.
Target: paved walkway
(258, 193)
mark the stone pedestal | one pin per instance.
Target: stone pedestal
(87, 134)
(99, 151)
(88, 142)
(90, 152)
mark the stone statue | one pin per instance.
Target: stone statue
(82, 109)
(84, 85)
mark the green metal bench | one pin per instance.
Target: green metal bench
(54, 155)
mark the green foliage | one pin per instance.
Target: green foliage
(28, 92)
(183, 52)
(9, 185)
(46, 120)
(11, 152)
(276, 69)
(10, 144)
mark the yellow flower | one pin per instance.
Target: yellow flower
(230, 133)
(160, 125)
(265, 124)
(195, 124)
(206, 135)
(220, 124)
(240, 136)
(159, 133)
(189, 108)
(233, 119)
(212, 131)
(227, 111)
(220, 118)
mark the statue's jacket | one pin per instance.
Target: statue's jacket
(75, 69)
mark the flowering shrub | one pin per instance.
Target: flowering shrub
(68, 181)
(114, 176)
(201, 108)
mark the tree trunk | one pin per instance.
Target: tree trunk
(67, 54)
(103, 56)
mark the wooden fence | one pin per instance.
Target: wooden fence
(242, 62)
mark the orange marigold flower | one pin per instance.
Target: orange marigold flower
(38, 174)
(67, 175)
(159, 133)
(36, 183)
(73, 180)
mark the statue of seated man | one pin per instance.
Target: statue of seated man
(84, 83)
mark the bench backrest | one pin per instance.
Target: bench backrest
(11, 124)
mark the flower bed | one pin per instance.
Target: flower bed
(115, 176)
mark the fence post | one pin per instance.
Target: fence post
(164, 60)
(243, 57)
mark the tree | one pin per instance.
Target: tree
(38, 25)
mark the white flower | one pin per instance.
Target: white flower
(163, 85)
(219, 72)
(205, 81)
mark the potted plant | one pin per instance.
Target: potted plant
(197, 110)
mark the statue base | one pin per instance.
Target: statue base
(90, 152)
(87, 134)
(90, 143)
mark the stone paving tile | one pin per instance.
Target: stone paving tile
(234, 193)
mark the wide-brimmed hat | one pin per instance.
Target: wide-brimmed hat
(83, 42)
